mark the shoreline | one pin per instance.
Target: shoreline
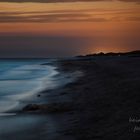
(97, 106)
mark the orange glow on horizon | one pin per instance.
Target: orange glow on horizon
(89, 19)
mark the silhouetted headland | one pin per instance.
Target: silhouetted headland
(130, 54)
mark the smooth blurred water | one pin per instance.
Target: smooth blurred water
(20, 79)
(20, 83)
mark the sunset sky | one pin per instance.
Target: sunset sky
(54, 28)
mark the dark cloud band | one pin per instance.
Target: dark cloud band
(67, 16)
(55, 1)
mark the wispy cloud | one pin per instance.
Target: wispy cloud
(44, 17)
(86, 15)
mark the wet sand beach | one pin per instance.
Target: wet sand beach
(106, 98)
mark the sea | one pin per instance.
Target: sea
(22, 79)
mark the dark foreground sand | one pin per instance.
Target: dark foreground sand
(104, 104)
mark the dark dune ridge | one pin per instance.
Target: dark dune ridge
(104, 104)
(130, 54)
